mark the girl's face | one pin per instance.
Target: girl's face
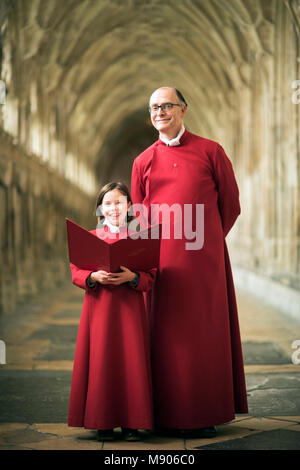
(115, 207)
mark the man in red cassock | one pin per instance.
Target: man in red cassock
(197, 362)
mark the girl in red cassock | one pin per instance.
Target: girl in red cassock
(111, 382)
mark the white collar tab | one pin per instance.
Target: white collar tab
(175, 141)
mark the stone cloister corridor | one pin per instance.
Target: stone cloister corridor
(75, 81)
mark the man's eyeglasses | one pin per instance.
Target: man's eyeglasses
(164, 107)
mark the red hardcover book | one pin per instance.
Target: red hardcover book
(136, 251)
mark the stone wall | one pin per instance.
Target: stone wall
(261, 132)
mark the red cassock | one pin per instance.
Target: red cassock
(197, 364)
(111, 381)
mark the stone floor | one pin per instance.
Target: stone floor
(35, 382)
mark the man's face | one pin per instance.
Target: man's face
(167, 123)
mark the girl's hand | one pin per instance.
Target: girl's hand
(120, 278)
(100, 276)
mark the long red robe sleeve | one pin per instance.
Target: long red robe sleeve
(79, 277)
(228, 192)
(146, 280)
(137, 186)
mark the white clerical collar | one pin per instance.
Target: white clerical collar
(175, 141)
(112, 228)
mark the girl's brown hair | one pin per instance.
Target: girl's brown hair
(120, 186)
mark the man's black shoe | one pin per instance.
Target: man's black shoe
(131, 434)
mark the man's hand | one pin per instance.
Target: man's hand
(113, 278)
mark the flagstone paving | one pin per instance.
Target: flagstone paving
(40, 340)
